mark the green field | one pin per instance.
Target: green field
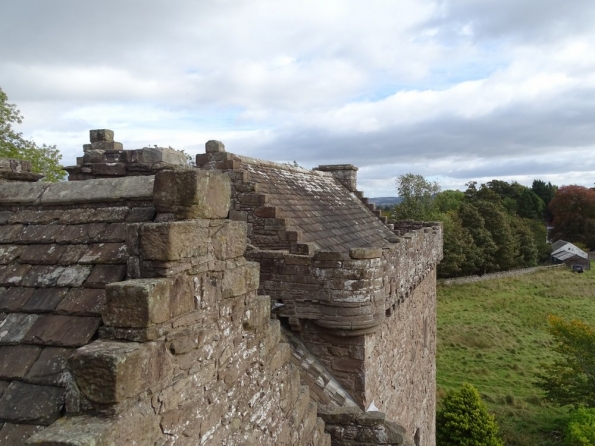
(493, 335)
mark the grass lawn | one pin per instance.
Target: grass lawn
(493, 335)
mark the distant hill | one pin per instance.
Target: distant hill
(385, 201)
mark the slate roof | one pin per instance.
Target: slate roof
(54, 265)
(558, 244)
(318, 206)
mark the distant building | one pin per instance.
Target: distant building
(569, 254)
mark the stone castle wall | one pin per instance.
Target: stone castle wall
(186, 351)
(149, 289)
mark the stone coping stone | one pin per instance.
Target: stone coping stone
(100, 190)
(103, 190)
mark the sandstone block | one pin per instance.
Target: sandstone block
(109, 371)
(229, 240)
(21, 193)
(109, 169)
(93, 156)
(104, 146)
(365, 253)
(258, 313)
(137, 303)
(192, 193)
(101, 190)
(214, 146)
(150, 155)
(174, 240)
(101, 135)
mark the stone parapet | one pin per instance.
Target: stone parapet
(17, 171)
(351, 427)
(188, 353)
(106, 158)
(349, 294)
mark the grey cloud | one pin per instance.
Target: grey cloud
(526, 20)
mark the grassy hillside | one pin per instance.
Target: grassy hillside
(493, 335)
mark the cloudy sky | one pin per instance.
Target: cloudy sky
(455, 90)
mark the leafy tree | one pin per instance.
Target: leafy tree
(573, 208)
(417, 197)
(581, 428)
(463, 420)
(570, 379)
(460, 255)
(496, 221)
(472, 220)
(526, 252)
(546, 192)
(44, 159)
(448, 200)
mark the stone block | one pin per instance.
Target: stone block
(105, 146)
(174, 240)
(101, 135)
(214, 146)
(192, 193)
(109, 372)
(365, 253)
(104, 190)
(137, 303)
(258, 313)
(93, 156)
(229, 240)
(151, 155)
(21, 193)
(109, 169)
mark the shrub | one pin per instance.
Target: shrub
(463, 420)
(581, 428)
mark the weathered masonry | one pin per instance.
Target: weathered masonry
(239, 302)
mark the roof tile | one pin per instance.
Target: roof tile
(16, 360)
(49, 366)
(13, 299)
(15, 434)
(31, 403)
(14, 328)
(66, 331)
(83, 302)
(104, 274)
(44, 300)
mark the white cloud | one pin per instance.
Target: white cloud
(455, 90)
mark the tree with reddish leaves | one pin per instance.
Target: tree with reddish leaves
(573, 208)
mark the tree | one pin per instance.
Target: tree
(581, 428)
(44, 159)
(448, 200)
(473, 222)
(460, 254)
(463, 420)
(546, 192)
(417, 197)
(573, 208)
(570, 379)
